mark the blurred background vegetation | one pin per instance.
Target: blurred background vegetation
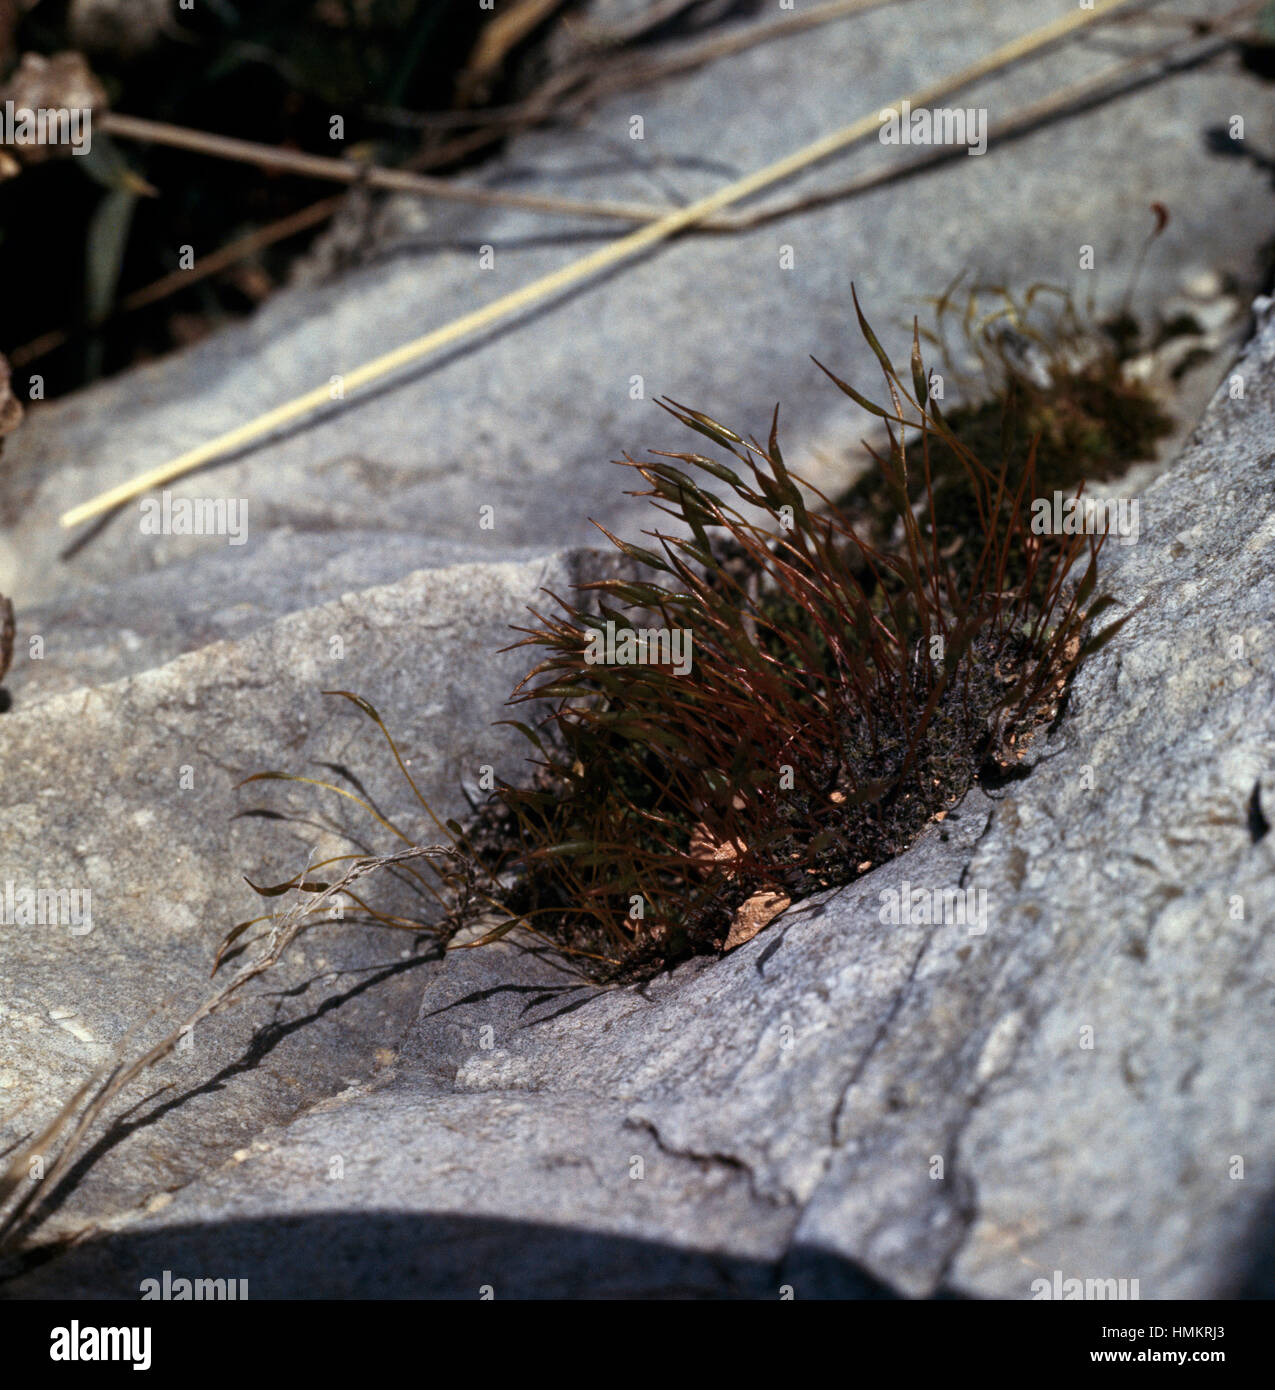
(91, 274)
(86, 242)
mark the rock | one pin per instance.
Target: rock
(1209, 316)
(527, 418)
(122, 28)
(10, 407)
(125, 790)
(846, 1106)
(841, 1105)
(100, 632)
(63, 83)
(1203, 284)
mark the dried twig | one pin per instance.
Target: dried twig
(633, 68)
(635, 26)
(7, 630)
(175, 281)
(320, 166)
(552, 99)
(1106, 85)
(499, 37)
(1109, 83)
(586, 80)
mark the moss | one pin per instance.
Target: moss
(1087, 421)
(854, 666)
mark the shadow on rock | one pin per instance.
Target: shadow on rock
(346, 1255)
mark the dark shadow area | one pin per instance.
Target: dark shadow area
(440, 1255)
(1257, 1260)
(345, 1255)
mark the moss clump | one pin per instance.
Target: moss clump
(1048, 386)
(806, 684)
(844, 688)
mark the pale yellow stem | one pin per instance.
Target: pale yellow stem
(623, 249)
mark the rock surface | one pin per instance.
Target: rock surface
(841, 1106)
(126, 790)
(1086, 1086)
(527, 418)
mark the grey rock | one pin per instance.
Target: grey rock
(126, 790)
(527, 418)
(100, 632)
(845, 1106)
(841, 1106)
